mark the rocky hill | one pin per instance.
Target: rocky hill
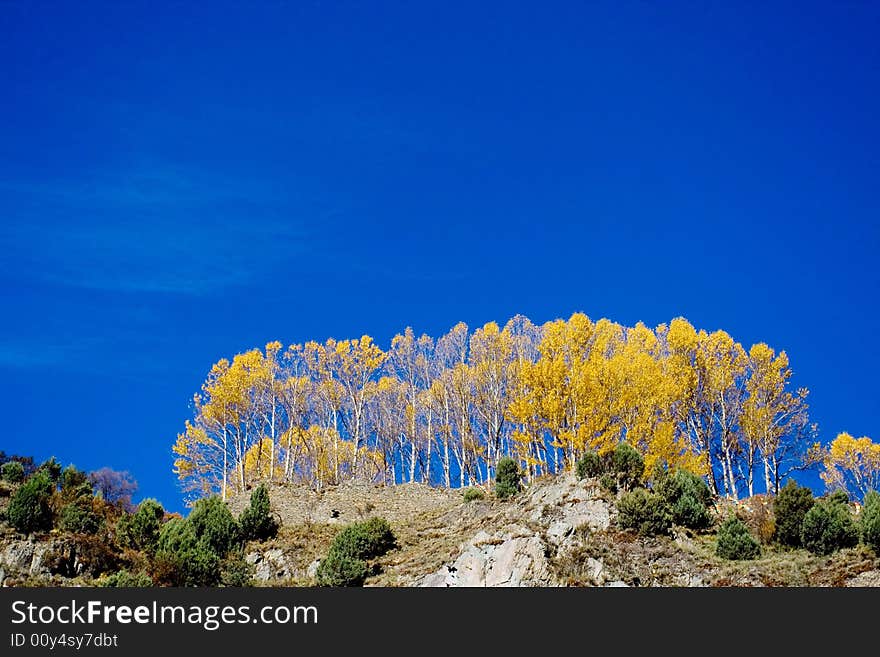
(560, 531)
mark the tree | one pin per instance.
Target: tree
(214, 525)
(140, 530)
(735, 541)
(345, 563)
(828, 526)
(490, 361)
(182, 559)
(507, 478)
(225, 425)
(644, 511)
(29, 509)
(321, 413)
(12, 472)
(74, 484)
(869, 521)
(853, 465)
(79, 517)
(723, 363)
(52, 468)
(628, 465)
(790, 506)
(409, 362)
(297, 390)
(114, 486)
(256, 522)
(687, 496)
(353, 363)
(26, 462)
(203, 448)
(392, 427)
(775, 420)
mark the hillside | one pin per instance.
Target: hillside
(559, 531)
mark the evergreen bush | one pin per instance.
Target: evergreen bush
(589, 465)
(790, 506)
(29, 509)
(869, 521)
(628, 465)
(688, 498)
(256, 522)
(472, 494)
(79, 517)
(337, 569)
(644, 511)
(214, 525)
(182, 559)
(507, 478)
(829, 526)
(735, 542)
(12, 472)
(140, 530)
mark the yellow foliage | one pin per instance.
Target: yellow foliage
(852, 464)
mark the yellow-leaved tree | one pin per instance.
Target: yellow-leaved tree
(852, 464)
(445, 411)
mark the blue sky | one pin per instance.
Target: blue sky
(179, 184)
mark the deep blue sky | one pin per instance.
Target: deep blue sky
(179, 184)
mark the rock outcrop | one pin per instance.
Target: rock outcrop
(517, 554)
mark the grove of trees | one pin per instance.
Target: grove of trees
(446, 410)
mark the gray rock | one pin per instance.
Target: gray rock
(867, 578)
(272, 564)
(596, 571)
(18, 556)
(570, 504)
(511, 558)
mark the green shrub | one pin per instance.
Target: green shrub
(140, 530)
(644, 511)
(12, 472)
(628, 465)
(589, 465)
(74, 484)
(507, 478)
(688, 512)
(472, 494)
(364, 540)
(214, 524)
(338, 569)
(735, 542)
(789, 507)
(688, 498)
(345, 563)
(52, 468)
(608, 482)
(29, 509)
(870, 521)
(256, 522)
(182, 559)
(125, 579)
(236, 571)
(382, 538)
(828, 527)
(79, 517)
